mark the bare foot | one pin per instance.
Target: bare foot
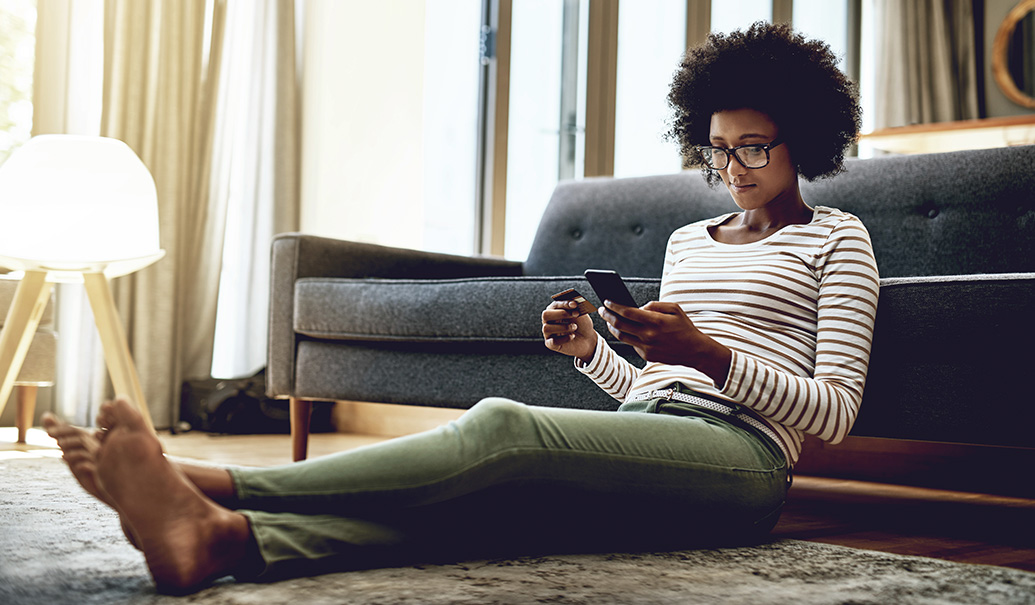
(187, 539)
(79, 448)
(80, 445)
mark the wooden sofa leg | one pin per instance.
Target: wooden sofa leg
(25, 410)
(300, 415)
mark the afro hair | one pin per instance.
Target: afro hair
(770, 69)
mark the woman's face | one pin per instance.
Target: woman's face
(753, 188)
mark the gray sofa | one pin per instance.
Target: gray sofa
(953, 233)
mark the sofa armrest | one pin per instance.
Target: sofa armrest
(296, 255)
(951, 361)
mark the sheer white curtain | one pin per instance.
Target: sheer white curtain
(259, 160)
(67, 100)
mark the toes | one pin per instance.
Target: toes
(68, 441)
(54, 426)
(119, 412)
(50, 420)
(105, 416)
(60, 431)
(77, 458)
(81, 465)
(76, 441)
(123, 413)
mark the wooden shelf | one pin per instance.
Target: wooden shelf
(954, 136)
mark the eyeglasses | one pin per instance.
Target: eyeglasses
(749, 156)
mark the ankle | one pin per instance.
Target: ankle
(216, 483)
(249, 563)
(231, 536)
(212, 545)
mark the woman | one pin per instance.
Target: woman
(762, 334)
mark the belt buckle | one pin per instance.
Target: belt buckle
(667, 394)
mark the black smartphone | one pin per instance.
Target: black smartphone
(609, 286)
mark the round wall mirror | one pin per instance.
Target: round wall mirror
(1013, 54)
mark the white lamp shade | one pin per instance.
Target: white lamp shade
(77, 203)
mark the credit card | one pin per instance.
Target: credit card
(572, 294)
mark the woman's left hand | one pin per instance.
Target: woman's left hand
(661, 332)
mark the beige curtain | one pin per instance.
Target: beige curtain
(161, 73)
(926, 65)
(286, 158)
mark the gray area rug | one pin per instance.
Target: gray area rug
(58, 545)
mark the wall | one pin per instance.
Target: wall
(362, 121)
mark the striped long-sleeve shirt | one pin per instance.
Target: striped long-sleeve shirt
(797, 311)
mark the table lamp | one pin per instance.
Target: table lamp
(75, 209)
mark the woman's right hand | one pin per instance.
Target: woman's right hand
(567, 332)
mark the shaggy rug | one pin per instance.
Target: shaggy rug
(60, 546)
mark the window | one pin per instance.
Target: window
(867, 73)
(547, 73)
(651, 40)
(827, 21)
(728, 16)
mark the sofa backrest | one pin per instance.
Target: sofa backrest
(953, 213)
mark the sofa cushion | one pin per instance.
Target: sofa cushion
(450, 310)
(450, 375)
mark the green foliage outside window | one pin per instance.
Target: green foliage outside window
(17, 57)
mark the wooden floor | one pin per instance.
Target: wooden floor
(956, 526)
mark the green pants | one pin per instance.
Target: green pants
(508, 479)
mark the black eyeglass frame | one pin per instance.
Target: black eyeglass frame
(732, 152)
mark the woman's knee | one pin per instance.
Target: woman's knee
(500, 419)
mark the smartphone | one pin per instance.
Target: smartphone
(609, 286)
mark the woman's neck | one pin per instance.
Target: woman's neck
(787, 209)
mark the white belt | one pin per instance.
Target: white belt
(730, 409)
